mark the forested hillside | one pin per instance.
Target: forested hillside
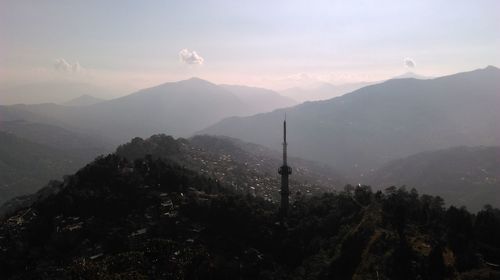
(151, 218)
(245, 167)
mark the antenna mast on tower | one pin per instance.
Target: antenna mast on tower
(284, 171)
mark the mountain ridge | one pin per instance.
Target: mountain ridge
(158, 109)
(50, 92)
(385, 121)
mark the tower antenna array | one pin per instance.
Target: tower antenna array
(284, 171)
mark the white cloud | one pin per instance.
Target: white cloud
(409, 63)
(190, 57)
(63, 66)
(76, 67)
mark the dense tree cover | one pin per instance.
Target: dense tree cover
(244, 166)
(153, 219)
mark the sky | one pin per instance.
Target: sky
(128, 45)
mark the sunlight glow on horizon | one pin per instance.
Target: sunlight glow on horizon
(129, 45)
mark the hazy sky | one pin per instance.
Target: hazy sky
(276, 44)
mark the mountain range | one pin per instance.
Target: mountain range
(356, 134)
(204, 207)
(360, 131)
(179, 108)
(49, 92)
(323, 90)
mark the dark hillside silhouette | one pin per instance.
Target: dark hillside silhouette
(152, 218)
(246, 167)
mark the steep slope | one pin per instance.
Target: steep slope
(467, 176)
(369, 127)
(83, 100)
(26, 166)
(117, 219)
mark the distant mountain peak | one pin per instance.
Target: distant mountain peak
(411, 75)
(491, 67)
(197, 80)
(193, 81)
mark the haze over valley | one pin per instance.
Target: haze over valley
(366, 129)
(249, 140)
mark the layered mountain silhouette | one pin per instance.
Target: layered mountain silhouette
(259, 100)
(178, 108)
(321, 91)
(50, 91)
(356, 134)
(467, 176)
(369, 127)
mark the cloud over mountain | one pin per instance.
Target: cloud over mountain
(410, 63)
(63, 66)
(190, 57)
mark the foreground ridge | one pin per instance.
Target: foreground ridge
(152, 218)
